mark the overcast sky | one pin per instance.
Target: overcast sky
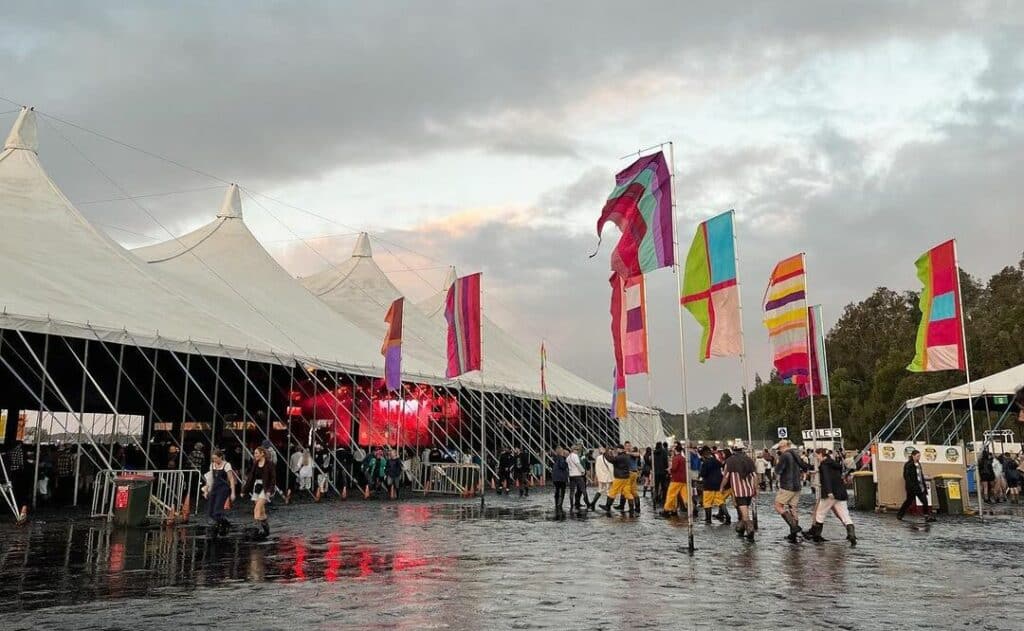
(487, 135)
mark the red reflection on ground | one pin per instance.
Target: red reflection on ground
(300, 560)
(332, 560)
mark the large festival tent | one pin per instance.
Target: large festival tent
(163, 331)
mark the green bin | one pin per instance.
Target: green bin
(131, 499)
(864, 490)
(950, 491)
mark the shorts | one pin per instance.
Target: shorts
(787, 498)
(259, 496)
(744, 501)
(714, 498)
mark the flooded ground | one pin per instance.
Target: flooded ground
(445, 564)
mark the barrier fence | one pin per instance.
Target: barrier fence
(170, 488)
(451, 479)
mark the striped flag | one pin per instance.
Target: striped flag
(785, 316)
(634, 323)
(940, 342)
(819, 360)
(710, 290)
(392, 347)
(462, 311)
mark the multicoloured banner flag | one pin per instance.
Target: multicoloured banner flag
(617, 309)
(543, 379)
(641, 206)
(634, 323)
(392, 347)
(940, 342)
(785, 316)
(710, 290)
(819, 360)
(619, 410)
(462, 311)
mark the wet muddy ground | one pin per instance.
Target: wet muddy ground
(445, 564)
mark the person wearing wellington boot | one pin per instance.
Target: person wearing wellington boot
(621, 487)
(219, 489)
(260, 485)
(741, 475)
(833, 498)
(789, 471)
(711, 474)
(559, 478)
(677, 486)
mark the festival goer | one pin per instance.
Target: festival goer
(677, 486)
(713, 497)
(522, 471)
(998, 492)
(661, 467)
(741, 476)
(559, 478)
(646, 472)
(915, 485)
(219, 489)
(577, 479)
(633, 462)
(260, 485)
(374, 471)
(603, 471)
(1013, 479)
(790, 470)
(393, 474)
(506, 462)
(620, 487)
(833, 498)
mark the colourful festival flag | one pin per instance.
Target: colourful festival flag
(543, 380)
(462, 311)
(392, 347)
(619, 410)
(641, 206)
(940, 342)
(617, 311)
(785, 316)
(819, 360)
(710, 290)
(634, 326)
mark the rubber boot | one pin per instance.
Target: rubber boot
(851, 535)
(816, 533)
(725, 516)
(622, 504)
(707, 515)
(748, 526)
(591, 505)
(608, 506)
(264, 529)
(794, 527)
(636, 505)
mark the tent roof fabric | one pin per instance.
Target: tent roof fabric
(1006, 382)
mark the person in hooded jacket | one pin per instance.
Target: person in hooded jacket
(661, 463)
(621, 463)
(560, 479)
(833, 498)
(523, 472)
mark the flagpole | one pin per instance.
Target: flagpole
(682, 346)
(810, 380)
(967, 371)
(824, 358)
(483, 406)
(543, 414)
(743, 348)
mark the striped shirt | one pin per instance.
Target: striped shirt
(741, 475)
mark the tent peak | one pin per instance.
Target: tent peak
(23, 133)
(363, 249)
(232, 206)
(449, 280)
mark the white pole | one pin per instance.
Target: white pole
(743, 352)
(967, 371)
(810, 381)
(483, 405)
(824, 359)
(682, 346)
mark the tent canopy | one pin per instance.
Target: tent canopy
(1007, 382)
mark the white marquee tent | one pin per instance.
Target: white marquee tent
(1007, 382)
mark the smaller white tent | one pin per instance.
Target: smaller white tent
(1007, 382)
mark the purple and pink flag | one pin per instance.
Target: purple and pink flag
(641, 206)
(392, 347)
(462, 311)
(940, 341)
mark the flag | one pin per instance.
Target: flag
(785, 316)
(940, 343)
(617, 310)
(392, 347)
(819, 361)
(543, 381)
(710, 290)
(462, 311)
(634, 326)
(619, 410)
(641, 206)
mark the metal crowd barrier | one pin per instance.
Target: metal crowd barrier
(170, 488)
(451, 478)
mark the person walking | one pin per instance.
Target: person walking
(522, 470)
(790, 471)
(506, 462)
(559, 479)
(578, 479)
(393, 474)
(713, 497)
(661, 472)
(603, 471)
(677, 486)
(915, 485)
(740, 474)
(833, 498)
(620, 487)
(260, 485)
(219, 489)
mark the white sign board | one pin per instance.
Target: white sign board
(822, 432)
(783, 432)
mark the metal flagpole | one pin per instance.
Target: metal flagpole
(810, 382)
(743, 351)
(967, 371)
(483, 407)
(682, 344)
(820, 337)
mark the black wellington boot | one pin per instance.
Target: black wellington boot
(707, 515)
(636, 505)
(608, 506)
(748, 526)
(794, 527)
(591, 505)
(622, 504)
(816, 533)
(851, 535)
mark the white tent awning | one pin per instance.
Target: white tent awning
(1007, 382)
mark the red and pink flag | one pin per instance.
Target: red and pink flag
(462, 311)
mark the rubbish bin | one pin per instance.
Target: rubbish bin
(948, 488)
(131, 499)
(864, 490)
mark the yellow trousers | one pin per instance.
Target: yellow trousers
(633, 477)
(621, 487)
(675, 489)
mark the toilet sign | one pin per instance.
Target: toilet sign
(823, 433)
(783, 432)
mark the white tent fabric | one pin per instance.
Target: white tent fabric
(60, 275)
(224, 268)
(1007, 382)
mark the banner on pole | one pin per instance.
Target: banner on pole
(940, 343)
(785, 316)
(462, 311)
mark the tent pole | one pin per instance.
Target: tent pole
(39, 416)
(288, 440)
(81, 417)
(184, 409)
(152, 409)
(117, 396)
(245, 402)
(213, 417)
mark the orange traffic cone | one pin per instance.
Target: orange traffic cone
(186, 508)
(23, 515)
(344, 492)
(316, 496)
(171, 517)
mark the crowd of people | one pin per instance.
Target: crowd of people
(1001, 477)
